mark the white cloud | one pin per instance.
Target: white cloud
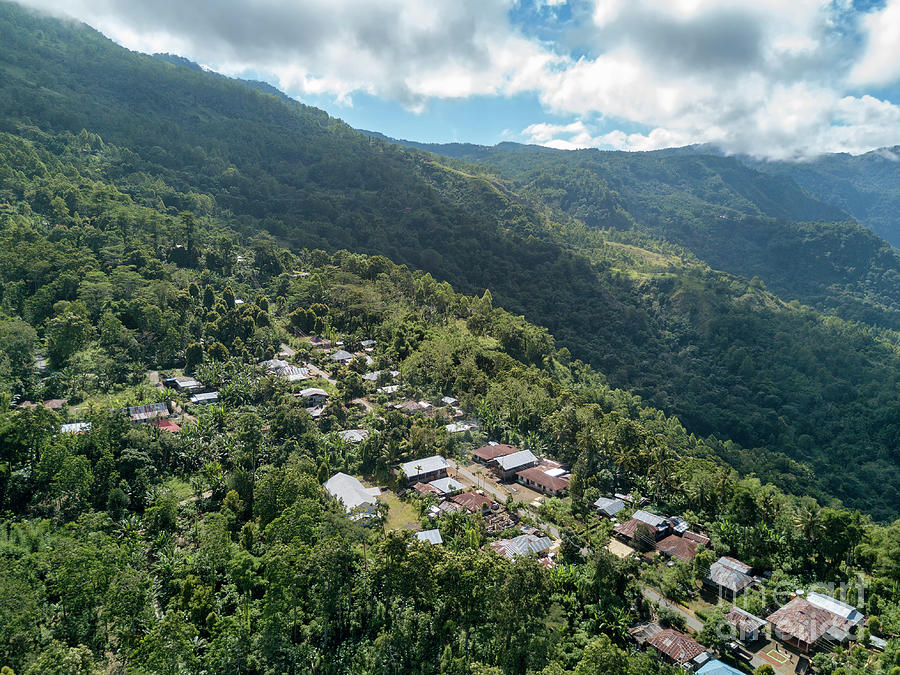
(879, 64)
(767, 77)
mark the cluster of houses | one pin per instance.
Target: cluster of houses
(510, 464)
(803, 623)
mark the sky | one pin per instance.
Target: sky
(779, 79)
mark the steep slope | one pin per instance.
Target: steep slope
(865, 186)
(728, 357)
(731, 216)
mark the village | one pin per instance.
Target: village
(501, 495)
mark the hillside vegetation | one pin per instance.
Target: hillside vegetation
(797, 392)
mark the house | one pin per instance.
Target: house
(608, 507)
(148, 413)
(285, 370)
(426, 489)
(728, 574)
(358, 500)
(75, 428)
(460, 427)
(490, 452)
(433, 537)
(316, 411)
(412, 407)
(207, 398)
(367, 344)
(524, 544)
(55, 403)
(314, 396)
(678, 525)
(678, 547)
(474, 502)
(748, 626)
(543, 480)
(182, 383)
(716, 667)
(676, 647)
(354, 435)
(342, 356)
(167, 425)
(319, 342)
(447, 486)
(389, 389)
(426, 469)
(449, 400)
(643, 524)
(506, 466)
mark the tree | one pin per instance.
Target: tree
(193, 356)
(65, 335)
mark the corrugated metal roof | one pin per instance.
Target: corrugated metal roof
(609, 506)
(650, 518)
(716, 667)
(489, 452)
(446, 485)
(524, 544)
(725, 574)
(744, 621)
(431, 536)
(677, 547)
(803, 621)
(677, 646)
(841, 609)
(516, 460)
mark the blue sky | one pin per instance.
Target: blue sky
(766, 77)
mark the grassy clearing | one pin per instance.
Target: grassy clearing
(401, 516)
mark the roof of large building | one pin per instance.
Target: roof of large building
(803, 621)
(609, 506)
(847, 612)
(537, 475)
(676, 645)
(678, 547)
(521, 545)
(425, 465)
(431, 536)
(350, 491)
(489, 452)
(342, 355)
(731, 574)
(716, 667)
(744, 620)
(472, 501)
(516, 460)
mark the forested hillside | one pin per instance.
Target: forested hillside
(798, 393)
(732, 217)
(212, 546)
(865, 186)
